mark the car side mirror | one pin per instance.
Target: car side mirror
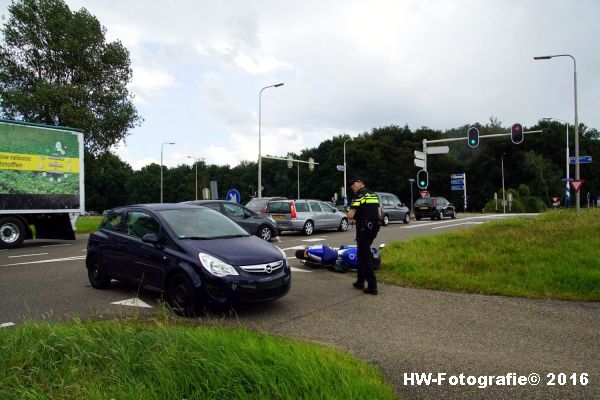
(150, 238)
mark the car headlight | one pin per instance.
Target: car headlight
(216, 266)
(283, 255)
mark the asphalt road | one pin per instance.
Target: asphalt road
(401, 331)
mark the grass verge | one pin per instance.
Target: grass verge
(555, 255)
(158, 360)
(88, 224)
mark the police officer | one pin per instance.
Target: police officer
(364, 209)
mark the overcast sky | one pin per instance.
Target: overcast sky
(348, 66)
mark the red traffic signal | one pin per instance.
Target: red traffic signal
(516, 133)
(473, 137)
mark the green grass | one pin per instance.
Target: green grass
(158, 360)
(88, 224)
(555, 255)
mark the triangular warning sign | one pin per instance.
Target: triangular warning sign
(135, 302)
(576, 184)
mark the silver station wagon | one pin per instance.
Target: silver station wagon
(306, 216)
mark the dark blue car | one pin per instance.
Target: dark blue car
(194, 255)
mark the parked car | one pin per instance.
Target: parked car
(192, 254)
(434, 207)
(259, 205)
(392, 209)
(260, 225)
(306, 216)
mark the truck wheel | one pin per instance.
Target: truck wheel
(12, 232)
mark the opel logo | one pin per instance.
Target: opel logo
(268, 269)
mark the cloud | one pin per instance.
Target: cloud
(147, 83)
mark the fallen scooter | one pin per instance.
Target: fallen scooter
(340, 259)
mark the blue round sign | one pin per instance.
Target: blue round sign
(234, 196)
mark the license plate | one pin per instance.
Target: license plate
(423, 208)
(280, 217)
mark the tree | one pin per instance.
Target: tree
(56, 68)
(106, 181)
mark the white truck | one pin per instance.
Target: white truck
(41, 181)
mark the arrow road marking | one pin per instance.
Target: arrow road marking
(294, 248)
(135, 302)
(7, 324)
(294, 269)
(313, 240)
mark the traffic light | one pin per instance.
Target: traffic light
(473, 137)
(422, 179)
(516, 133)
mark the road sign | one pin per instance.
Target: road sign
(424, 193)
(457, 181)
(582, 160)
(566, 180)
(419, 154)
(340, 168)
(419, 163)
(438, 150)
(576, 184)
(460, 175)
(234, 196)
(555, 198)
(457, 187)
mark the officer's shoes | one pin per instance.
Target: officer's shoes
(359, 286)
(370, 291)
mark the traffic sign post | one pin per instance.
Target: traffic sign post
(582, 160)
(234, 196)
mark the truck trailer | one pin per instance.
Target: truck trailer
(41, 182)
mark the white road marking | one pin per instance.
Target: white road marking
(294, 248)
(314, 240)
(462, 223)
(485, 216)
(299, 269)
(135, 302)
(7, 324)
(46, 261)
(56, 245)
(28, 255)
(84, 250)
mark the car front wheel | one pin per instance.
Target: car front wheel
(181, 295)
(407, 218)
(343, 225)
(308, 228)
(97, 274)
(454, 214)
(386, 220)
(265, 233)
(441, 215)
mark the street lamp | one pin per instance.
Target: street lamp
(577, 197)
(345, 179)
(161, 169)
(259, 138)
(411, 180)
(196, 162)
(567, 191)
(503, 192)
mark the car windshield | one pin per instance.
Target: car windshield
(423, 202)
(201, 223)
(257, 204)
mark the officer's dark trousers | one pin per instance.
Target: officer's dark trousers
(366, 271)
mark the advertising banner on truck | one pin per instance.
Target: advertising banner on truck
(40, 167)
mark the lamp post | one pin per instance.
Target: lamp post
(259, 138)
(196, 162)
(345, 179)
(567, 191)
(161, 169)
(577, 196)
(503, 192)
(411, 180)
